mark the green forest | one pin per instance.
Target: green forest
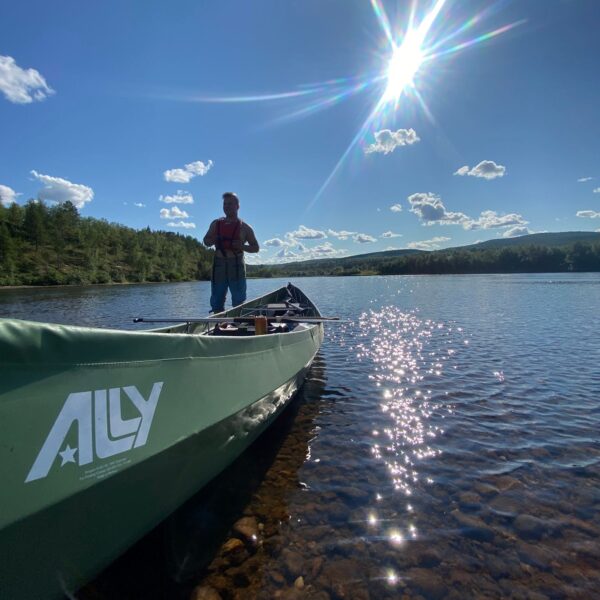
(55, 245)
(531, 258)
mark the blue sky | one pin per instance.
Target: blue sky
(143, 113)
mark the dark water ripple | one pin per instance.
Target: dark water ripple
(446, 445)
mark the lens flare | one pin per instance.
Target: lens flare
(404, 64)
(412, 49)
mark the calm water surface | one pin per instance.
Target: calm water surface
(445, 445)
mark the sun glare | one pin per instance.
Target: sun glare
(403, 66)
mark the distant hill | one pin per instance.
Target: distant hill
(537, 252)
(563, 238)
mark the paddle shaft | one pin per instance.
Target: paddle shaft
(281, 319)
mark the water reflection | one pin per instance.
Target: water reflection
(404, 358)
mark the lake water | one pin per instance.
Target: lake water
(446, 444)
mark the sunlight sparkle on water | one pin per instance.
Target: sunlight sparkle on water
(392, 578)
(395, 537)
(397, 347)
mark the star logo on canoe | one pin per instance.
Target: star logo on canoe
(67, 455)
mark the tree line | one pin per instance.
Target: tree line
(55, 245)
(578, 257)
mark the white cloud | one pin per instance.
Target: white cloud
(22, 86)
(487, 169)
(180, 197)
(188, 172)
(139, 204)
(430, 209)
(275, 243)
(324, 249)
(584, 179)
(57, 189)
(7, 195)
(285, 252)
(363, 238)
(432, 244)
(173, 213)
(387, 141)
(182, 225)
(341, 235)
(588, 214)
(293, 250)
(396, 208)
(516, 231)
(389, 234)
(304, 233)
(596, 190)
(490, 219)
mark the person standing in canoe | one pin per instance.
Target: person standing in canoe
(231, 237)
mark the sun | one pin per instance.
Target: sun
(403, 66)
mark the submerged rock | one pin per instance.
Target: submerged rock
(205, 592)
(247, 529)
(530, 527)
(294, 562)
(427, 583)
(232, 545)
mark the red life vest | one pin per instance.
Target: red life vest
(226, 233)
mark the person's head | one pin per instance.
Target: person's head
(231, 204)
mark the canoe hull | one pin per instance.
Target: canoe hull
(110, 448)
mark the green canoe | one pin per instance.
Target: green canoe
(103, 433)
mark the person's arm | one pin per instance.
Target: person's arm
(211, 235)
(251, 244)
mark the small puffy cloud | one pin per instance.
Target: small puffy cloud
(387, 141)
(584, 179)
(180, 197)
(188, 172)
(490, 219)
(57, 189)
(182, 225)
(516, 232)
(304, 233)
(293, 250)
(432, 244)
(487, 169)
(588, 214)
(173, 213)
(341, 235)
(389, 234)
(7, 195)
(275, 243)
(285, 252)
(596, 190)
(22, 86)
(363, 238)
(139, 204)
(396, 208)
(324, 249)
(430, 209)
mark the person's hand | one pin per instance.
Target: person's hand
(236, 244)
